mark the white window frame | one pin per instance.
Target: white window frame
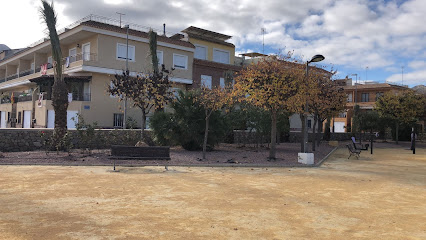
(222, 50)
(131, 48)
(203, 82)
(84, 54)
(205, 52)
(180, 55)
(222, 82)
(162, 57)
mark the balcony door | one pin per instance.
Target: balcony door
(73, 54)
(86, 52)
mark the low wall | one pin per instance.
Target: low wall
(15, 140)
(252, 137)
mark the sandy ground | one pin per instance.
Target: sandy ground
(380, 196)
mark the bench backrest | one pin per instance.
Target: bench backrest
(350, 147)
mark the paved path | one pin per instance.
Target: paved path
(380, 196)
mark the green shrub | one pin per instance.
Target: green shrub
(162, 125)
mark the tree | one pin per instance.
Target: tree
(148, 91)
(211, 100)
(405, 107)
(268, 84)
(326, 100)
(59, 91)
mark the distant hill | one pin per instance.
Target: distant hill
(420, 89)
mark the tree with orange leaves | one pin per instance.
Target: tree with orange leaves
(269, 84)
(326, 100)
(212, 100)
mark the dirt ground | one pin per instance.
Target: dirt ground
(379, 196)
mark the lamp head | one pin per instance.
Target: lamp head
(126, 26)
(317, 58)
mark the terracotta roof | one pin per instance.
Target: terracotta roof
(136, 33)
(373, 86)
(212, 64)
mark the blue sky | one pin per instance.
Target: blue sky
(352, 34)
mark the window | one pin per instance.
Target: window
(118, 120)
(365, 97)
(206, 81)
(122, 52)
(73, 54)
(309, 123)
(379, 95)
(86, 52)
(221, 56)
(180, 61)
(160, 57)
(19, 117)
(222, 82)
(349, 97)
(49, 62)
(200, 52)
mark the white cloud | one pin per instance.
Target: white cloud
(410, 78)
(417, 64)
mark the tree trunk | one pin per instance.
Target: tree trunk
(396, 132)
(143, 122)
(320, 130)
(60, 106)
(314, 132)
(206, 134)
(302, 118)
(272, 149)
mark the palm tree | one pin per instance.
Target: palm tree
(59, 91)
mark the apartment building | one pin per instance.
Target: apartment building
(364, 95)
(213, 57)
(94, 50)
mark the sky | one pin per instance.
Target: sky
(378, 40)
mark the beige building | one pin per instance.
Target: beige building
(94, 50)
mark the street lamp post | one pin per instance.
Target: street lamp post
(316, 58)
(127, 74)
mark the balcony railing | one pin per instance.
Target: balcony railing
(26, 72)
(86, 57)
(2, 80)
(81, 97)
(10, 77)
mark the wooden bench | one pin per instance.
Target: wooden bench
(352, 151)
(140, 153)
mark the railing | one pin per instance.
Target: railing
(10, 77)
(105, 20)
(26, 72)
(2, 80)
(87, 57)
(81, 97)
(26, 98)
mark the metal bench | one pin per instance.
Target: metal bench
(359, 146)
(352, 151)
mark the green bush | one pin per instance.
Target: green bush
(185, 126)
(163, 125)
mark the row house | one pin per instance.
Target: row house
(365, 95)
(94, 50)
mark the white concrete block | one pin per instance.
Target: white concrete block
(305, 158)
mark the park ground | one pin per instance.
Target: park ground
(379, 196)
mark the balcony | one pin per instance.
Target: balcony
(86, 57)
(11, 77)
